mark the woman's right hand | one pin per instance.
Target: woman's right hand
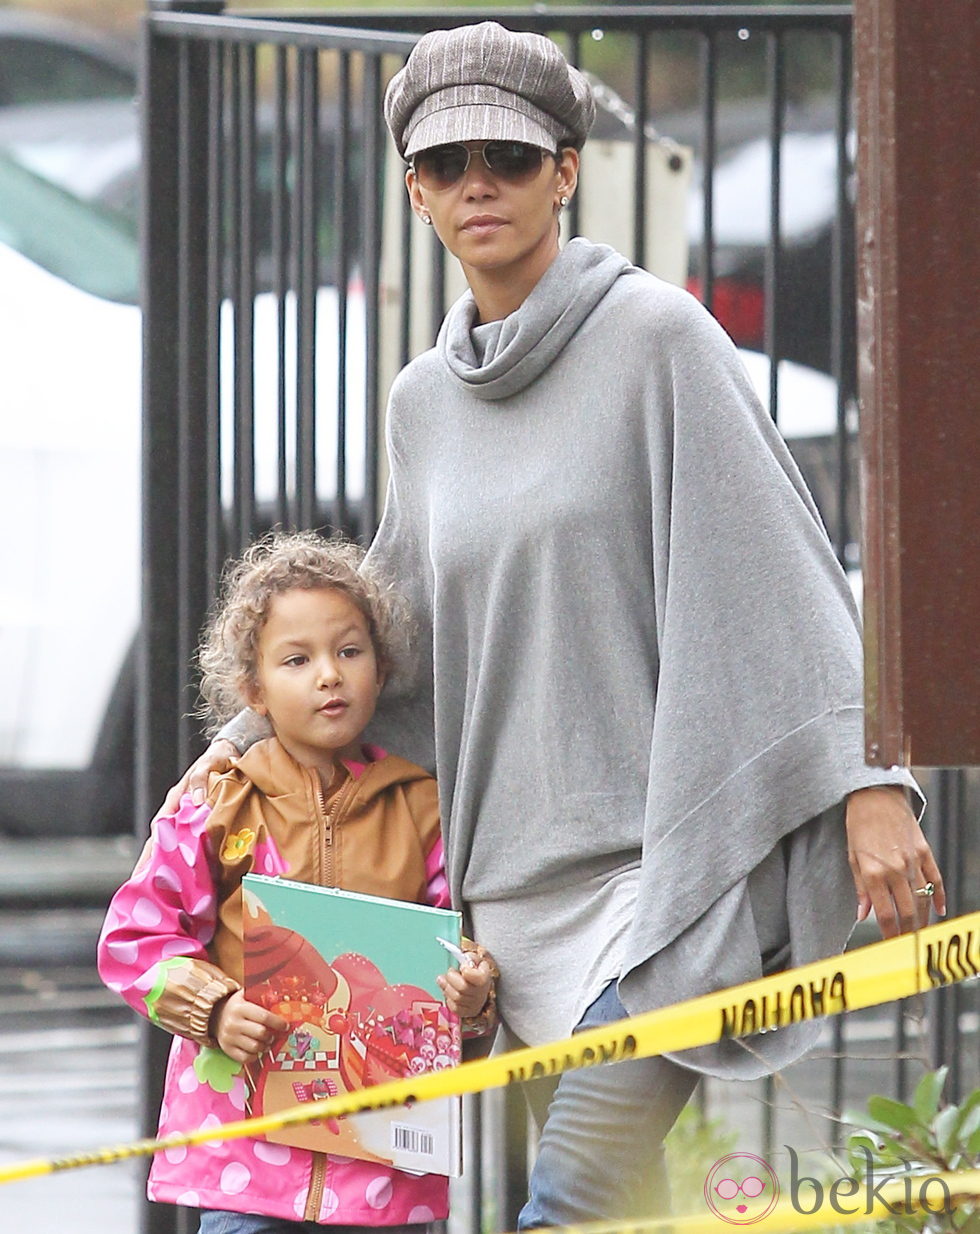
(217, 757)
(244, 1030)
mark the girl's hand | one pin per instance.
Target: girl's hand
(890, 859)
(244, 1030)
(467, 988)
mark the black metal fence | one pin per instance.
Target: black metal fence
(286, 282)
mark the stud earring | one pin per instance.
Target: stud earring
(426, 218)
(563, 202)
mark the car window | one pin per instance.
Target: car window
(36, 71)
(69, 238)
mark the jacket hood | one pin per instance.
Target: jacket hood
(501, 358)
(276, 774)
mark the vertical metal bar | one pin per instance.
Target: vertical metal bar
(775, 61)
(438, 301)
(407, 232)
(280, 268)
(640, 149)
(842, 65)
(478, 1164)
(513, 1156)
(407, 268)
(371, 511)
(237, 532)
(158, 696)
(901, 1081)
(192, 407)
(245, 314)
(945, 1004)
(575, 58)
(159, 242)
(938, 1023)
(768, 1116)
(709, 105)
(342, 214)
(307, 267)
(216, 536)
(837, 1075)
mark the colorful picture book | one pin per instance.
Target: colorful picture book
(354, 977)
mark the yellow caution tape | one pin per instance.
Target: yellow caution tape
(936, 956)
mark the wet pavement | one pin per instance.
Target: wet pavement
(68, 1047)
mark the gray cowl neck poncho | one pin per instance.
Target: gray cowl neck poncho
(636, 645)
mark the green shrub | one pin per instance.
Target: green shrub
(926, 1137)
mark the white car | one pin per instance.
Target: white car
(70, 399)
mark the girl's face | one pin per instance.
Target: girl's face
(495, 227)
(317, 676)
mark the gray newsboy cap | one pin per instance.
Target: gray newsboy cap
(485, 83)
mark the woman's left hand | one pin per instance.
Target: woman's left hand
(466, 989)
(890, 860)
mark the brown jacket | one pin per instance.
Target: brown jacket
(369, 832)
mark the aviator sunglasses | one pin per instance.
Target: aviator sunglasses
(440, 167)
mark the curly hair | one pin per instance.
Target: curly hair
(280, 562)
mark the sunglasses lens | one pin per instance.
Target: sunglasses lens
(727, 1188)
(753, 1187)
(512, 160)
(440, 166)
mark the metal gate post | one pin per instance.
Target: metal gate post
(167, 69)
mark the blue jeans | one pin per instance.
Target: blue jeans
(601, 1153)
(214, 1221)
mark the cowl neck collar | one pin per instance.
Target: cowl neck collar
(501, 358)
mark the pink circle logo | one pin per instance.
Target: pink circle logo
(741, 1188)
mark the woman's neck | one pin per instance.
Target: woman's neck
(500, 291)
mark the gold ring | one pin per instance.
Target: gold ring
(928, 890)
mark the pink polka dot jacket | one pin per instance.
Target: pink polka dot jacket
(172, 947)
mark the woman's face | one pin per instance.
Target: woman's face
(494, 226)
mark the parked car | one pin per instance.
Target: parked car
(69, 495)
(92, 149)
(86, 147)
(47, 60)
(808, 208)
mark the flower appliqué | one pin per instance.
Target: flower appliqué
(238, 845)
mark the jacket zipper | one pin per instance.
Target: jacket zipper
(328, 819)
(314, 1197)
(326, 835)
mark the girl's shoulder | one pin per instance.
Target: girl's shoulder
(197, 825)
(391, 771)
(412, 793)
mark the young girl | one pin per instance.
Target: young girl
(305, 638)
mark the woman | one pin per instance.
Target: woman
(640, 673)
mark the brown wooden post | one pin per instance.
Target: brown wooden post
(917, 68)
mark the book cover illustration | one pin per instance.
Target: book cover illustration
(354, 977)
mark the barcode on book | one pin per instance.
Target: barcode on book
(412, 1140)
